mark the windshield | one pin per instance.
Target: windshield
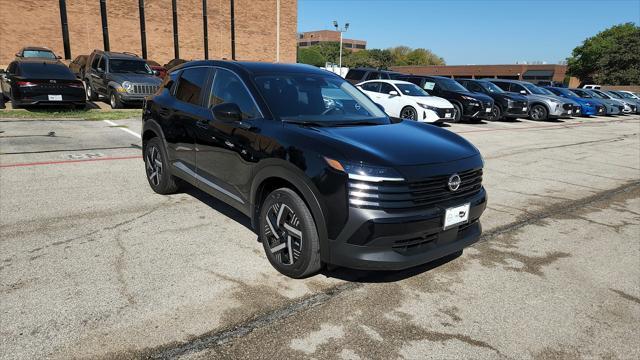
(534, 89)
(317, 98)
(411, 90)
(596, 95)
(451, 85)
(129, 66)
(582, 94)
(491, 87)
(601, 94)
(546, 91)
(615, 95)
(38, 54)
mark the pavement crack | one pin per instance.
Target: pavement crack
(626, 296)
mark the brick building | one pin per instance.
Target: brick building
(254, 26)
(531, 73)
(311, 38)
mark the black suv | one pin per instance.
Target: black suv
(121, 77)
(506, 105)
(325, 176)
(358, 75)
(467, 105)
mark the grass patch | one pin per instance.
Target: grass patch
(70, 114)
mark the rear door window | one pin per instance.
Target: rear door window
(372, 86)
(516, 88)
(190, 85)
(374, 75)
(95, 62)
(355, 74)
(503, 86)
(386, 88)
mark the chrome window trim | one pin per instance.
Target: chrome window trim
(255, 103)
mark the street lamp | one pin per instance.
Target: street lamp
(346, 27)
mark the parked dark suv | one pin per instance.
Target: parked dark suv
(358, 75)
(123, 78)
(467, 105)
(323, 173)
(506, 105)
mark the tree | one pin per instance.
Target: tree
(311, 56)
(399, 54)
(381, 58)
(422, 56)
(610, 57)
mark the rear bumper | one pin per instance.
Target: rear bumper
(377, 240)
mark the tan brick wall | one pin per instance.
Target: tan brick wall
(37, 22)
(480, 71)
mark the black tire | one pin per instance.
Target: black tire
(155, 161)
(295, 250)
(496, 113)
(409, 112)
(92, 95)
(538, 112)
(114, 100)
(457, 113)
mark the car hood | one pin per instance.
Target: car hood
(432, 101)
(482, 97)
(399, 144)
(135, 78)
(545, 98)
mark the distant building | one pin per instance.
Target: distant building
(311, 38)
(527, 72)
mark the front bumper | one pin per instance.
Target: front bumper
(132, 98)
(379, 240)
(481, 111)
(517, 111)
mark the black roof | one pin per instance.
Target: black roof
(119, 55)
(256, 68)
(43, 61)
(374, 69)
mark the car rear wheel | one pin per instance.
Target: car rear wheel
(496, 113)
(457, 113)
(91, 95)
(114, 100)
(288, 234)
(539, 112)
(157, 168)
(409, 112)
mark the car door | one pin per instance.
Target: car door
(227, 150)
(372, 89)
(391, 103)
(186, 114)
(518, 89)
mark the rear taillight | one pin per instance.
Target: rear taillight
(78, 85)
(26, 84)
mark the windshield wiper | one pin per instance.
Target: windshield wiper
(306, 122)
(352, 123)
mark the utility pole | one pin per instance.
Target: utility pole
(343, 30)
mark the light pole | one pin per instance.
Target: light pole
(343, 30)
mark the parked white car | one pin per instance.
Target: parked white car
(406, 100)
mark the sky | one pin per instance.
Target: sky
(472, 32)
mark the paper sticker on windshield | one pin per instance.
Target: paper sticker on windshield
(429, 85)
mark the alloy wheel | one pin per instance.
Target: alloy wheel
(89, 91)
(408, 113)
(536, 113)
(153, 162)
(113, 101)
(283, 234)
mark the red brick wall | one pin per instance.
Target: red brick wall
(480, 71)
(37, 22)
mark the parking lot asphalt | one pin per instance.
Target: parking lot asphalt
(94, 264)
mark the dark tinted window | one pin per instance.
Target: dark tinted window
(38, 70)
(190, 85)
(129, 66)
(516, 88)
(355, 74)
(502, 85)
(372, 86)
(386, 88)
(96, 60)
(473, 87)
(228, 88)
(374, 75)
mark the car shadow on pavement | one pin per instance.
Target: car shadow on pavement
(217, 205)
(384, 276)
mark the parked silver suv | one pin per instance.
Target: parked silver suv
(541, 105)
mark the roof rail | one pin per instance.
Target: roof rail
(130, 53)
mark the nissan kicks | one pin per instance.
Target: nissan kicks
(325, 176)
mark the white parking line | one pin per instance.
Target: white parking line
(123, 129)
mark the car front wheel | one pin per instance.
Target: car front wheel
(539, 112)
(496, 113)
(289, 235)
(91, 95)
(114, 100)
(157, 168)
(408, 112)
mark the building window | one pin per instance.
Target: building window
(303, 43)
(361, 46)
(315, 42)
(348, 45)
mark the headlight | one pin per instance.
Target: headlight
(127, 86)
(425, 106)
(588, 104)
(469, 98)
(359, 171)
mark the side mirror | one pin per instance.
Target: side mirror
(227, 112)
(155, 72)
(523, 92)
(18, 54)
(393, 93)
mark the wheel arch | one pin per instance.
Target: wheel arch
(274, 177)
(151, 129)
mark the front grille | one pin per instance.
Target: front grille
(620, 107)
(403, 196)
(442, 112)
(139, 89)
(519, 104)
(567, 106)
